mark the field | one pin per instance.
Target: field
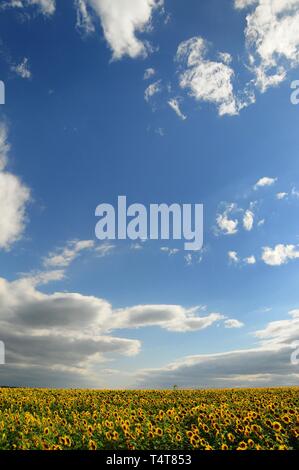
(179, 419)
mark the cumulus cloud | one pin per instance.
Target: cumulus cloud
(22, 69)
(233, 256)
(250, 260)
(63, 338)
(149, 73)
(280, 254)
(252, 367)
(248, 220)
(268, 364)
(152, 90)
(225, 224)
(235, 259)
(62, 330)
(122, 22)
(169, 317)
(265, 181)
(281, 196)
(175, 105)
(55, 338)
(84, 17)
(233, 323)
(104, 249)
(206, 80)
(14, 197)
(272, 39)
(240, 4)
(63, 257)
(46, 7)
(281, 332)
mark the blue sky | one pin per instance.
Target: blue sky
(170, 103)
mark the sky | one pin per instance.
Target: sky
(163, 102)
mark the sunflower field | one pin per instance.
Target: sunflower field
(239, 419)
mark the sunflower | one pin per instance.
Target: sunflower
(279, 439)
(45, 446)
(224, 447)
(242, 446)
(286, 419)
(276, 426)
(92, 445)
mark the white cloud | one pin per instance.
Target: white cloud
(207, 80)
(62, 338)
(225, 224)
(14, 197)
(152, 90)
(281, 196)
(248, 220)
(233, 323)
(175, 105)
(84, 18)
(265, 181)
(251, 367)
(63, 257)
(272, 38)
(104, 249)
(268, 364)
(169, 317)
(250, 260)
(46, 7)
(22, 69)
(57, 338)
(225, 57)
(149, 73)
(280, 254)
(240, 4)
(233, 256)
(280, 332)
(122, 20)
